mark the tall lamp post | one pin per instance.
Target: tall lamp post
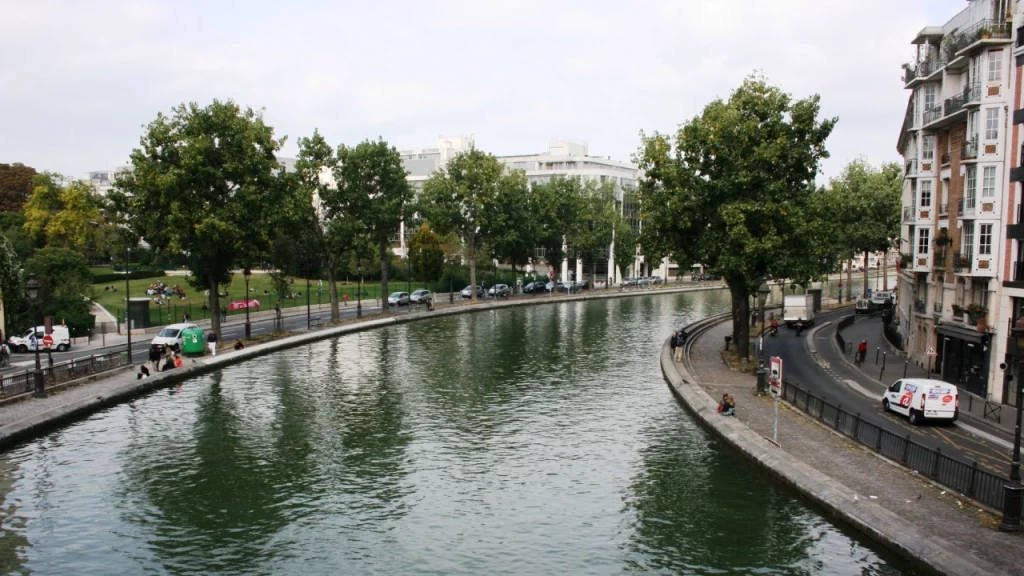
(762, 296)
(128, 301)
(451, 280)
(248, 327)
(1012, 490)
(359, 294)
(32, 289)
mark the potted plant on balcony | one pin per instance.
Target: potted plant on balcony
(958, 311)
(906, 260)
(985, 33)
(963, 262)
(975, 312)
(942, 238)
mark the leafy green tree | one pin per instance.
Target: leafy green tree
(11, 287)
(15, 186)
(867, 202)
(426, 257)
(456, 198)
(316, 160)
(731, 188)
(62, 212)
(558, 207)
(205, 182)
(594, 230)
(64, 286)
(375, 196)
(512, 225)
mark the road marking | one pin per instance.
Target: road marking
(985, 435)
(860, 389)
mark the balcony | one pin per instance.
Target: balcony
(972, 94)
(1015, 231)
(908, 213)
(1018, 116)
(956, 46)
(937, 307)
(948, 112)
(943, 209)
(922, 71)
(920, 306)
(944, 159)
(911, 167)
(969, 151)
(961, 263)
(932, 114)
(970, 206)
(939, 259)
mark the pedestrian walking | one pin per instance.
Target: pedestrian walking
(673, 342)
(862, 352)
(184, 318)
(223, 314)
(211, 341)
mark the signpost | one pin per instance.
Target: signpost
(931, 353)
(47, 341)
(775, 389)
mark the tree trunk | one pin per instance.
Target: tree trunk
(849, 279)
(885, 271)
(740, 323)
(332, 288)
(384, 277)
(472, 267)
(214, 305)
(512, 288)
(866, 278)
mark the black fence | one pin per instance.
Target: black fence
(964, 478)
(60, 372)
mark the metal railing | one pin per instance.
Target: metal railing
(911, 167)
(972, 93)
(954, 104)
(985, 29)
(961, 262)
(908, 213)
(924, 69)
(966, 479)
(22, 382)
(939, 259)
(937, 307)
(920, 306)
(944, 208)
(932, 114)
(969, 150)
(970, 205)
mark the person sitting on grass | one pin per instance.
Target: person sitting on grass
(728, 406)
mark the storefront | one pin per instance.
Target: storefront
(964, 357)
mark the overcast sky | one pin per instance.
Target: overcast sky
(80, 79)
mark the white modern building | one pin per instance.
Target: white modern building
(957, 149)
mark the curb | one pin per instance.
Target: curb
(38, 423)
(886, 528)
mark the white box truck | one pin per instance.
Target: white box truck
(796, 308)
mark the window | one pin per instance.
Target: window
(926, 194)
(971, 186)
(922, 240)
(967, 246)
(985, 239)
(974, 75)
(929, 96)
(995, 66)
(972, 125)
(988, 182)
(928, 147)
(991, 123)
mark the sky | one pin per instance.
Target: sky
(79, 80)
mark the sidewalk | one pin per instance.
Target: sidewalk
(870, 477)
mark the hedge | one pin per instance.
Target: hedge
(136, 275)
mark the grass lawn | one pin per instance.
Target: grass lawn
(175, 307)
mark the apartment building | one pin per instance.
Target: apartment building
(956, 147)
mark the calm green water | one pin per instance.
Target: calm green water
(533, 441)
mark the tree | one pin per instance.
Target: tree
(11, 290)
(62, 212)
(64, 283)
(558, 206)
(512, 226)
(455, 199)
(206, 182)
(867, 202)
(375, 194)
(593, 232)
(15, 186)
(426, 257)
(732, 188)
(316, 158)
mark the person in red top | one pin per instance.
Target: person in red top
(862, 351)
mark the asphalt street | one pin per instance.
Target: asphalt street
(960, 440)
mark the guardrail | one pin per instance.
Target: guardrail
(60, 372)
(966, 479)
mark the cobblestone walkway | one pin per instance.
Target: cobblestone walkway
(938, 510)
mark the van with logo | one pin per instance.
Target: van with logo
(921, 399)
(27, 341)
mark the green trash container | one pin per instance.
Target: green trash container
(192, 342)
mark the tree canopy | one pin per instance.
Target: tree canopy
(62, 211)
(15, 186)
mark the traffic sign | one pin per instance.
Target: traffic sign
(931, 351)
(551, 274)
(47, 341)
(869, 293)
(840, 284)
(775, 376)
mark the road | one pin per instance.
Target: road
(958, 440)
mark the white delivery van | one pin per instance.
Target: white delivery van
(923, 399)
(881, 299)
(796, 308)
(26, 341)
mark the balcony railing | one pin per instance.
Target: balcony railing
(972, 93)
(954, 104)
(943, 209)
(986, 29)
(969, 150)
(908, 213)
(924, 69)
(937, 307)
(932, 114)
(970, 205)
(920, 306)
(944, 159)
(911, 167)
(960, 207)
(939, 259)
(961, 262)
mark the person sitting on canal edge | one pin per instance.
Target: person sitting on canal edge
(154, 357)
(143, 372)
(168, 362)
(239, 345)
(728, 406)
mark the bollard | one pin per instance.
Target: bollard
(877, 350)
(727, 340)
(905, 364)
(883, 366)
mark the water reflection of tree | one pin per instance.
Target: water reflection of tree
(13, 542)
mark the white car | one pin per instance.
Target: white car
(170, 336)
(503, 290)
(923, 399)
(398, 298)
(421, 296)
(26, 342)
(467, 292)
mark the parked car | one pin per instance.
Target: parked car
(170, 336)
(535, 288)
(923, 399)
(421, 296)
(499, 290)
(467, 292)
(25, 342)
(398, 298)
(643, 281)
(626, 282)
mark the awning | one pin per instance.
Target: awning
(954, 331)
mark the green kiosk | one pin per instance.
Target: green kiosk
(192, 342)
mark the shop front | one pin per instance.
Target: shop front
(964, 356)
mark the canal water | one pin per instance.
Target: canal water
(541, 440)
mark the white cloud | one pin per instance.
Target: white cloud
(81, 78)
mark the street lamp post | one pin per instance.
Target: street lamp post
(128, 301)
(248, 327)
(1012, 490)
(762, 384)
(359, 294)
(32, 289)
(451, 280)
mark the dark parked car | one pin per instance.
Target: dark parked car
(535, 288)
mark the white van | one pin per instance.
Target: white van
(923, 399)
(170, 336)
(25, 342)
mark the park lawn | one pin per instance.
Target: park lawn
(175, 307)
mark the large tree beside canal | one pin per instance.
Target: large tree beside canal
(733, 189)
(205, 182)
